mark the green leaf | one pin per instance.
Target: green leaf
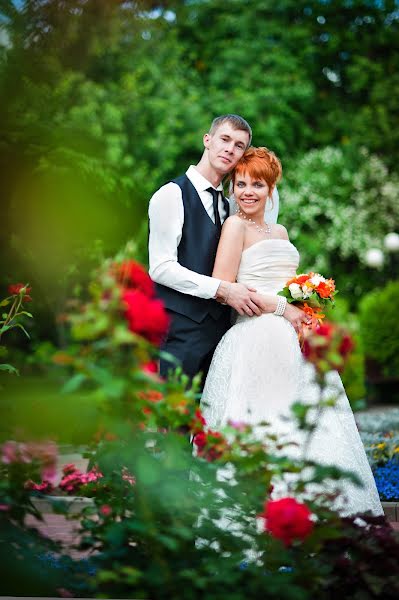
(74, 383)
(9, 369)
(23, 329)
(5, 302)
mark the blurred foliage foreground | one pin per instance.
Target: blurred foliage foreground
(167, 519)
(103, 101)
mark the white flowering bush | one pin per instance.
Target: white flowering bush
(336, 206)
(379, 422)
(379, 431)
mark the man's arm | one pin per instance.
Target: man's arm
(166, 215)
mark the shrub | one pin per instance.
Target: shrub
(164, 518)
(379, 329)
(336, 206)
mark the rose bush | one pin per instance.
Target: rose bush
(169, 518)
(14, 317)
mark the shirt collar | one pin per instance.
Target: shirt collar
(199, 182)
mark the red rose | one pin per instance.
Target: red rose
(132, 275)
(287, 520)
(200, 417)
(146, 316)
(200, 440)
(346, 346)
(198, 422)
(150, 367)
(15, 289)
(325, 330)
(306, 349)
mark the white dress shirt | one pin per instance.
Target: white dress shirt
(166, 215)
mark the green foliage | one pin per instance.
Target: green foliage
(163, 517)
(13, 317)
(353, 374)
(305, 74)
(102, 102)
(335, 207)
(379, 328)
(82, 124)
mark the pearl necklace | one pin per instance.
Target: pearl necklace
(266, 229)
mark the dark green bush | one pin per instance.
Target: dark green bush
(379, 329)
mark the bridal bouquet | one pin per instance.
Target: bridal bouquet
(312, 292)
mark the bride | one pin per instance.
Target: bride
(258, 370)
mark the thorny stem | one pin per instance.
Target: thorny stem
(12, 314)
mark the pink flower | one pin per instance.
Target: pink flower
(126, 476)
(238, 425)
(64, 593)
(9, 452)
(15, 452)
(69, 468)
(45, 487)
(74, 479)
(92, 476)
(4, 507)
(105, 510)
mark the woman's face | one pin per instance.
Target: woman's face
(251, 194)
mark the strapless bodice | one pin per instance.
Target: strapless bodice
(268, 265)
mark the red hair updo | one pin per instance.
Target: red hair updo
(259, 163)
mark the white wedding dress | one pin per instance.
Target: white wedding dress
(258, 371)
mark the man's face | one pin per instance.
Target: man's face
(225, 147)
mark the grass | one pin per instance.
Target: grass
(33, 407)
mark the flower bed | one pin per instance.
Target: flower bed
(380, 435)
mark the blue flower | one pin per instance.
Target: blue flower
(387, 480)
(285, 569)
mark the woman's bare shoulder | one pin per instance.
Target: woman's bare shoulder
(280, 231)
(234, 224)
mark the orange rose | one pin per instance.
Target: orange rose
(323, 290)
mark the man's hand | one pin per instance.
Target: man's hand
(243, 299)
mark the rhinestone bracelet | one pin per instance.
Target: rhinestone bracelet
(281, 304)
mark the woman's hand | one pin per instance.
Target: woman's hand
(297, 317)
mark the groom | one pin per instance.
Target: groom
(186, 217)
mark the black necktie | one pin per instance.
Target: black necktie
(215, 199)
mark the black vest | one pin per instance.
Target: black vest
(197, 252)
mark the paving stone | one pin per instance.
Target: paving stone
(390, 510)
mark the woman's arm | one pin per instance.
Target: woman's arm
(229, 250)
(227, 262)
(226, 267)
